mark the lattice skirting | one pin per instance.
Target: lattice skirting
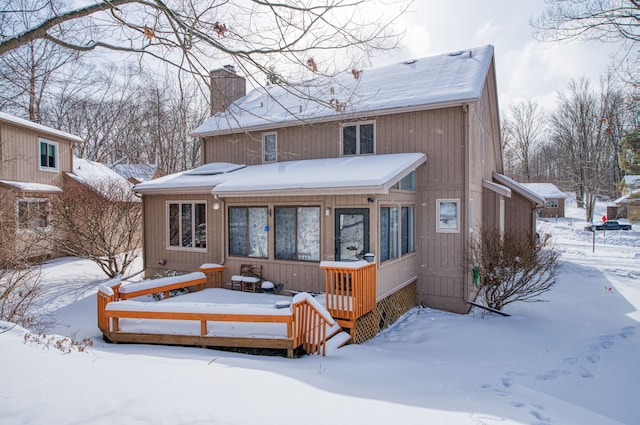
(387, 311)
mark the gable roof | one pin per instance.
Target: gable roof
(446, 79)
(140, 172)
(38, 128)
(546, 190)
(328, 176)
(102, 179)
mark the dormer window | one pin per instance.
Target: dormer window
(358, 138)
(48, 155)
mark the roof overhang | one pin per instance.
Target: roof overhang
(516, 187)
(373, 174)
(29, 187)
(497, 188)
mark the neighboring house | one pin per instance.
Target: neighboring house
(402, 161)
(630, 184)
(138, 173)
(627, 206)
(33, 160)
(554, 198)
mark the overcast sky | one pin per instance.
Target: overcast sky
(526, 69)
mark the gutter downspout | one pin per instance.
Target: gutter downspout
(465, 217)
(144, 238)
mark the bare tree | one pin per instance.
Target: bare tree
(102, 223)
(257, 35)
(579, 128)
(606, 20)
(523, 128)
(512, 268)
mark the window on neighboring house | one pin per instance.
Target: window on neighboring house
(48, 155)
(358, 139)
(248, 231)
(269, 147)
(388, 233)
(187, 225)
(552, 203)
(33, 214)
(408, 230)
(297, 233)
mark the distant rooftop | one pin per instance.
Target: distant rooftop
(547, 190)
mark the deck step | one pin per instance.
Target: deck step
(332, 330)
(337, 341)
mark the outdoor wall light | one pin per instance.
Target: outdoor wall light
(162, 262)
(327, 211)
(370, 200)
(216, 203)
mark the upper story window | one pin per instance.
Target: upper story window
(33, 214)
(358, 138)
(49, 155)
(269, 147)
(187, 225)
(552, 203)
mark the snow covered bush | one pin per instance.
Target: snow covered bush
(511, 267)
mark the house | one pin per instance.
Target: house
(403, 162)
(34, 159)
(554, 198)
(630, 184)
(138, 173)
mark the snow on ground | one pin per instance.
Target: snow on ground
(571, 360)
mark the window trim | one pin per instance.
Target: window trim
(439, 227)
(267, 210)
(411, 237)
(48, 217)
(264, 147)
(275, 233)
(192, 248)
(56, 147)
(357, 124)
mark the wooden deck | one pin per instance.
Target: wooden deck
(305, 323)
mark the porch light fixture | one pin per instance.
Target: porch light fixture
(216, 203)
(327, 211)
(370, 200)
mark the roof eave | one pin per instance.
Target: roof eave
(346, 116)
(520, 189)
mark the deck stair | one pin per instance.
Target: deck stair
(336, 341)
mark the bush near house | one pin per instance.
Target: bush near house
(512, 267)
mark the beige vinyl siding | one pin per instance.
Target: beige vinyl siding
(19, 153)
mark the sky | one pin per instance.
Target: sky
(526, 68)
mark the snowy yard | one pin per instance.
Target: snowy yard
(572, 360)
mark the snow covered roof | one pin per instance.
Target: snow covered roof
(101, 178)
(546, 190)
(140, 172)
(520, 189)
(30, 187)
(328, 176)
(37, 127)
(631, 181)
(625, 199)
(451, 78)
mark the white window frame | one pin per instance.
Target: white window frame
(264, 147)
(552, 203)
(193, 229)
(442, 224)
(357, 124)
(56, 155)
(46, 201)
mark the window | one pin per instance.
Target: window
(358, 139)
(269, 147)
(552, 203)
(388, 233)
(408, 182)
(48, 155)
(248, 231)
(33, 214)
(448, 215)
(297, 233)
(187, 225)
(408, 230)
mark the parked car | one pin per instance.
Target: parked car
(608, 225)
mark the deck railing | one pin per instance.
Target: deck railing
(307, 325)
(350, 288)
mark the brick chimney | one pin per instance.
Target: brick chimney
(226, 86)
